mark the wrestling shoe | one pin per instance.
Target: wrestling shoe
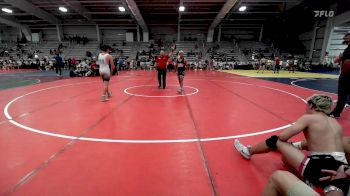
(244, 150)
(109, 94)
(104, 98)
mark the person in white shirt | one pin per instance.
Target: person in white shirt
(105, 61)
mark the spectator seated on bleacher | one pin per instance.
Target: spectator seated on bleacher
(81, 69)
(120, 64)
(94, 69)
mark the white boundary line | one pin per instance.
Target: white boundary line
(9, 117)
(306, 79)
(158, 96)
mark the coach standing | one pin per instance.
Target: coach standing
(162, 61)
(344, 78)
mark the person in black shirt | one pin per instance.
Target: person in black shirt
(59, 64)
(344, 78)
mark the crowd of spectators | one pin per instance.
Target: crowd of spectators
(25, 56)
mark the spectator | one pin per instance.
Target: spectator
(59, 64)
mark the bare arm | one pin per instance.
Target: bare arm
(338, 59)
(111, 62)
(346, 145)
(172, 50)
(293, 130)
(185, 63)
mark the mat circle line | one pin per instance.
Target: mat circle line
(9, 117)
(196, 90)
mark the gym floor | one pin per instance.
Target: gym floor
(57, 138)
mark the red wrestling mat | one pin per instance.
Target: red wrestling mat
(57, 138)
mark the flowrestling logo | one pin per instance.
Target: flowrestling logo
(324, 13)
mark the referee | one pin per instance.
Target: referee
(344, 78)
(162, 61)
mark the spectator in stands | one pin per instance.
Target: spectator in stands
(291, 64)
(138, 65)
(88, 54)
(120, 64)
(277, 65)
(170, 65)
(94, 68)
(74, 62)
(37, 63)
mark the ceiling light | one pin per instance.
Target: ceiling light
(7, 10)
(63, 9)
(121, 8)
(242, 8)
(181, 8)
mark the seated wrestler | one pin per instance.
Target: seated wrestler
(324, 140)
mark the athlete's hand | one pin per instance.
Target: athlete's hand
(342, 172)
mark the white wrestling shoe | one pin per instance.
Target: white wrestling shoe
(104, 98)
(244, 150)
(109, 94)
(180, 90)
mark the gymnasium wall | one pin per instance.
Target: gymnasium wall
(110, 35)
(87, 31)
(49, 34)
(9, 33)
(306, 39)
(247, 35)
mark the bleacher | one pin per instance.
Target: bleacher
(227, 52)
(9, 48)
(189, 47)
(118, 46)
(252, 47)
(140, 47)
(79, 50)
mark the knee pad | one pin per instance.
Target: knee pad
(271, 142)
